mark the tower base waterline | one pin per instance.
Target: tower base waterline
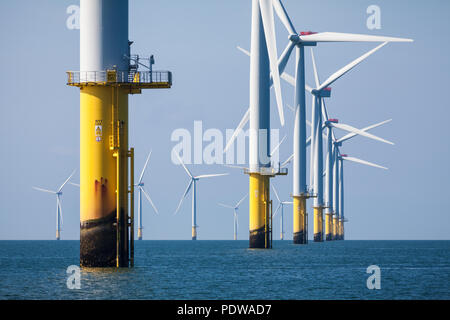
(318, 224)
(139, 233)
(328, 227)
(260, 212)
(300, 235)
(335, 228)
(194, 233)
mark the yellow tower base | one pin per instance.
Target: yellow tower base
(139, 233)
(58, 235)
(194, 233)
(335, 227)
(260, 212)
(300, 220)
(318, 224)
(328, 227)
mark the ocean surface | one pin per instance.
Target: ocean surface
(229, 270)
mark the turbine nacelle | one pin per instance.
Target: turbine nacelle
(322, 93)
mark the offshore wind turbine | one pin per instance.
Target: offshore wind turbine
(58, 193)
(235, 215)
(280, 205)
(193, 185)
(339, 177)
(140, 186)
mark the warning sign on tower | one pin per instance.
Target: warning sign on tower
(98, 131)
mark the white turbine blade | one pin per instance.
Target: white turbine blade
(349, 67)
(287, 161)
(348, 128)
(44, 190)
(211, 175)
(348, 37)
(351, 135)
(284, 17)
(149, 199)
(367, 163)
(278, 208)
(185, 168)
(284, 58)
(276, 193)
(287, 202)
(238, 130)
(278, 146)
(67, 180)
(240, 201)
(75, 184)
(234, 167)
(243, 50)
(316, 74)
(325, 116)
(184, 196)
(145, 167)
(225, 206)
(269, 32)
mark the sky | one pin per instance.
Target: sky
(196, 40)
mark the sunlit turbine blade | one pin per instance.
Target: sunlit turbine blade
(269, 32)
(44, 190)
(145, 167)
(74, 184)
(276, 193)
(284, 17)
(367, 163)
(184, 195)
(225, 206)
(287, 161)
(67, 180)
(278, 208)
(149, 199)
(316, 74)
(278, 146)
(325, 116)
(238, 130)
(185, 168)
(348, 37)
(211, 175)
(244, 51)
(240, 201)
(349, 67)
(351, 135)
(348, 128)
(284, 58)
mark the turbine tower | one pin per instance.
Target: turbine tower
(58, 193)
(193, 184)
(280, 205)
(108, 74)
(140, 186)
(235, 216)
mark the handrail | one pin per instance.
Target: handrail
(114, 76)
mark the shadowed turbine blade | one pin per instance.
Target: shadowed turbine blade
(238, 130)
(284, 17)
(184, 196)
(149, 199)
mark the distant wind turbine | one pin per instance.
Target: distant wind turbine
(235, 209)
(193, 182)
(280, 205)
(58, 194)
(140, 186)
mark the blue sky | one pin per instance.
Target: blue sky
(197, 41)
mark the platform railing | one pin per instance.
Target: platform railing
(114, 76)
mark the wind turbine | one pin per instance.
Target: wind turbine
(140, 186)
(235, 209)
(193, 183)
(280, 205)
(58, 193)
(299, 41)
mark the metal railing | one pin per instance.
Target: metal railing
(113, 76)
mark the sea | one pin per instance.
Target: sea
(230, 270)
